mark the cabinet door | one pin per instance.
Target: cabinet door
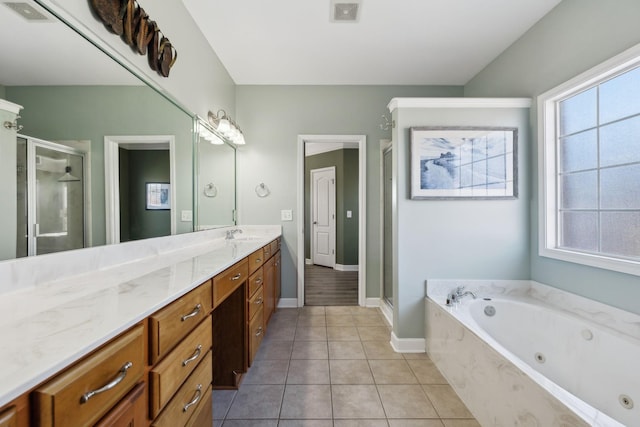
(269, 287)
(9, 417)
(130, 412)
(277, 277)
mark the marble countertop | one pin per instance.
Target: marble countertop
(47, 327)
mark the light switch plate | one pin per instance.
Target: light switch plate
(186, 216)
(349, 214)
(286, 215)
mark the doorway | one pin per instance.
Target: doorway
(332, 264)
(51, 209)
(112, 154)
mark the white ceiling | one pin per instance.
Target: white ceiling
(395, 42)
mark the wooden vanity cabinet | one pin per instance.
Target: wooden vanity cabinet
(9, 417)
(129, 412)
(269, 290)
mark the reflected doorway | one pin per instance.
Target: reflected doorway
(51, 211)
(387, 227)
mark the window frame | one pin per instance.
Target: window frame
(548, 113)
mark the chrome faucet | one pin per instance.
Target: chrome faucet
(457, 294)
(231, 233)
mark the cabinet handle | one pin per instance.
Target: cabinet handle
(114, 382)
(259, 331)
(258, 281)
(194, 312)
(195, 355)
(237, 276)
(196, 399)
(258, 261)
(259, 301)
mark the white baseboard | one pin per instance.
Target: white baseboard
(407, 345)
(372, 302)
(288, 303)
(341, 267)
(387, 311)
(308, 261)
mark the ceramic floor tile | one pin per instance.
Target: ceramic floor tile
(392, 372)
(311, 333)
(406, 401)
(364, 310)
(267, 372)
(446, 401)
(250, 423)
(311, 310)
(310, 350)
(426, 371)
(340, 320)
(305, 423)
(415, 423)
(412, 356)
(217, 423)
(461, 423)
(221, 402)
(338, 310)
(356, 401)
(350, 372)
(346, 350)
(306, 401)
(256, 402)
(360, 423)
(380, 350)
(312, 321)
(272, 350)
(342, 333)
(369, 320)
(308, 372)
(374, 333)
(275, 333)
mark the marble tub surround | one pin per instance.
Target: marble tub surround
(583, 343)
(94, 294)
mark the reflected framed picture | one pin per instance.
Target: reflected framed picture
(464, 162)
(157, 196)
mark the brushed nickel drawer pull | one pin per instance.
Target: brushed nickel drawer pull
(237, 276)
(259, 301)
(196, 399)
(114, 382)
(258, 281)
(258, 261)
(259, 331)
(195, 312)
(195, 355)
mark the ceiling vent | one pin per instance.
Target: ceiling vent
(344, 11)
(28, 12)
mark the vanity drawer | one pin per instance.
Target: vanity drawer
(274, 246)
(109, 373)
(192, 395)
(170, 324)
(166, 376)
(9, 417)
(228, 281)
(129, 412)
(255, 260)
(256, 302)
(256, 332)
(203, 415)
(255, 281)
(267, 251)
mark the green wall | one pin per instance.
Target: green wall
(272, 117)
(90, 113)
(8, 189)
(572, 38)
(346, 164)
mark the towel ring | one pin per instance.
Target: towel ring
(210, 190)
(262, 190)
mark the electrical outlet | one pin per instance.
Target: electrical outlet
(286, 215)
(186, 216)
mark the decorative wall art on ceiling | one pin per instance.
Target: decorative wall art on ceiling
(464, 162)
(127, 19)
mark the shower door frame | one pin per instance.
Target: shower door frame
(32, 143)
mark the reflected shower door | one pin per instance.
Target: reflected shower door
(56, 198)
(387, 265)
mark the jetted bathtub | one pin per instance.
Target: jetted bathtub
(526, 354)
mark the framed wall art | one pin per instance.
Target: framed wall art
(157, 196)
(464, 162)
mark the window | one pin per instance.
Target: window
(590, 154)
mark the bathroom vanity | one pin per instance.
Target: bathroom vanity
(139, 342)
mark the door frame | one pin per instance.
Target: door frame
(112, 143)
(387, 309)
(313, 203)
(361, 140)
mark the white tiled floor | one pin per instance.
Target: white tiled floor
(333, 366)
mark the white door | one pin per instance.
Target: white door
(323, 216)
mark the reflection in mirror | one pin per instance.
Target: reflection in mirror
(73, 96)
(215, 183)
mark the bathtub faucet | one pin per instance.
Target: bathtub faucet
(457, 294)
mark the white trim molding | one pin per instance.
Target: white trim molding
(361, 140)
(373, 302)
(288, 303)
(396, 103)
(10, 106)
(343, 267)
(387, 311)
(408, 345)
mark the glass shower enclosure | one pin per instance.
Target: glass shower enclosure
(51, 199)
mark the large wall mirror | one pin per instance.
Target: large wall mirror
(74, 98)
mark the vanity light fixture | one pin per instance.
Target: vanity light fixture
(226, 127)
(210, 136)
